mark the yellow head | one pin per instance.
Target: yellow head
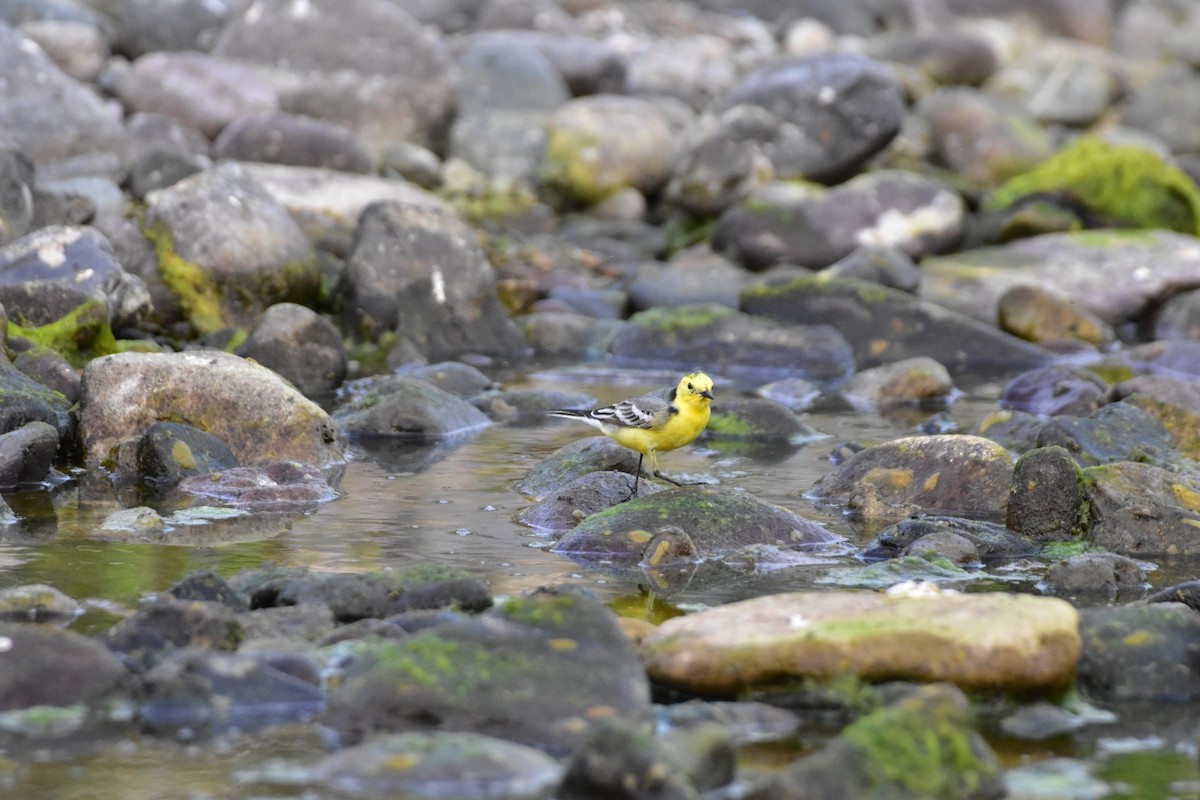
(694, 389)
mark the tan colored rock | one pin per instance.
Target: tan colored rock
(1006, 642)
(257, 413)
(1041, 316)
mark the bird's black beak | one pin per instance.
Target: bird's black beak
(707, 393)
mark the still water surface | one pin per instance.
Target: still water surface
(403, 506)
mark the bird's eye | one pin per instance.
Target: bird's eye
(690, 388)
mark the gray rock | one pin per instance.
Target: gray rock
(559, 510)
(36, 602)
(79, 260)
(27, 454)
(1054, 390)
(918, 381)
(588, 65)
(47, 666)
(305, 622)
(1005, 140)
(202, 91)
(144, 26)
(838, 110)
(591, 454)
(50, 369)
(300, 345)
(867, 314)
(945, 56)
(24, 400)
(1139, 652)
(1046, 499)
(366, 64)
(408, 408)
(691, 277)
(1064, 82)
(165, 152)
(620, 760)
(886, 265)
(564, 334)
(16, 195)
(78, 46)
(725, 159)
(757, 420)
(280, 138)
(732, 343)
(444, 763)
(1115, 432)
(230, 397)
(168, 452)
(1165, 106)
(418, 270)
(476, 668)
(1142, 510)
(989, 540)
(1179, 317)
(461, 380)
(796, 224)
(227, 249)
(1103, 574)
(60, 124)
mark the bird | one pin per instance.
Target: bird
(653, 423)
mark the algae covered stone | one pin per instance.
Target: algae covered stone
(1007, 642)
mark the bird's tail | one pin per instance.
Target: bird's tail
(567, 413)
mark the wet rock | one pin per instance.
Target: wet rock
(598, 145)
(945, 545)
(366, 64)
(144, 26)
(562, 334)
(24, 400)
(395, 405)
(17, 182)
(367, 628)
(163, 623)
(1002, 642)
(1041, 316)
(1140, 509)
(50, 369)
(304, 622)
(954, 474)
(990, 541)
(1163, 106)
(280, 138)
(139, 520)
(1004, 138)
(261, 256)
(913, 381)
(508, 92)
(744, 722)
(168, 452)
(1096, 182)
(619, 761)
(1099, 270)
(271, 486)
(883, 325)
(1104, 574)
(1052, 390)
(796, 394)
(165, 152)
(1139, 652)
(886, 265)
(60, 124)
(353, 596)
(1178, 317)
(48, 666)
(944, 57)
(36, 602)
(716, 520)
(202, 91)
(247, 406)
(208, 586)
(418, 270)
(562, 509)
(954, 760)
(1046, 499)
(757, 420)
(1114, 432)
(797, 224)
(27, 454)
(1187, 593)
(427, 765)
(1174, 402)
(200, 693)
(592, 454)
(300, 345)
(1174, 358)
(78, 258)
(732, 343)
(697, 277)
(559, 650)
(455, 377)
(820, 139)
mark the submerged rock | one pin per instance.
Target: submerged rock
(990, 541)
(168, 452)
(591, 454)
(41, 665)
(409, 408)
(1017, 643)
(1139, 652)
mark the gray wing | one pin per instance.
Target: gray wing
(646, 411)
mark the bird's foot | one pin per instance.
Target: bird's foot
(669, 479)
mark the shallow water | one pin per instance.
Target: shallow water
(403, 506)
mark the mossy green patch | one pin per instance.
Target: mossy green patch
(920, 748)
(542, 610)
(431, 662)
(197, 293)
(680, 318)
(1122, 183)
(78, 336)
(730, 425)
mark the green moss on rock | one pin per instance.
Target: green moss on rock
(197, 293)
(78, 336)
(1125, 184)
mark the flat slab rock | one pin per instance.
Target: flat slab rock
(1002, 642)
